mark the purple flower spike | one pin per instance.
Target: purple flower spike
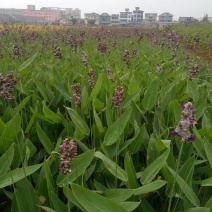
(174, 133)
(187, 120)
(182, 106)
(191, 138)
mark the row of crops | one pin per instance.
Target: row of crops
(105, 119)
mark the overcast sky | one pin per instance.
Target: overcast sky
(188, 8)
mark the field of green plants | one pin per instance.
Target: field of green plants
(109, 119)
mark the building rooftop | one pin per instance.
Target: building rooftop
(166, 14)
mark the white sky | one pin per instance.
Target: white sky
(193, 8)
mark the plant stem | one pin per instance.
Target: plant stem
(174, 183)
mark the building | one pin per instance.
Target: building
(48, 15)
(105, 18)
(115, 19)
(165, 18)
(137, 15)
(185, 20)
(11, 11)
(150, 17)
(125, 17)
(64, 13)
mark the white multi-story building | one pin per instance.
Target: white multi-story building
(137, 15)
(125, 17)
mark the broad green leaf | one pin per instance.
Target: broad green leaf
(150, 187)
(26, 197)
(69, 194)
(51, 115)
(96, 88)
(57, 203)
(10, 132)
(27, 63)
(78, 167)
(126, 103)
(119, 195)
(129, 206)
(192, 90)
(141, 139)
(6, 160)
(98, 121)
(197, 209)
(209, 204)
(93, 202)
(151, 95)
(47, 209)
(152, 170)
(22, 104)
(131, 173)
(117, 128)
(208, 150)
(207, 182)
(45, 141)
(186, 189)
(145, 206)
(17, 174)
(78, 121)
(112, 167)
(49, 179)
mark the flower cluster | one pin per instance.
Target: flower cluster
(69, 151)
(126, 57)
(76, 96)
(110, 74)
(7, 85)
(158, 68)
(187, 120)
(193, 71)
(57, 52)
(84, 59)
(17, 51)
(118, 97)
(91, 80)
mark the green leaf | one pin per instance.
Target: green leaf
(78, 121)
(117, 128)
(130, 170)
(207, 182)
(96, 88)
(151, 95)
(192, 90)
(186, 189)
(126, 103)
(45, 141)
(51, 115)
(22, 104)
(150, 187)
(208, 150)
(47, 209)
(112, 167)
(119, 195)
(17, 174)
(25, 196)
(69, 194)
(197, 209)
(129, 206)
(98, 121)
(57, 203)
(78, 167)
(10, 132)
(93, 202)
(152, 170)
(6, 160)
(27, 63)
